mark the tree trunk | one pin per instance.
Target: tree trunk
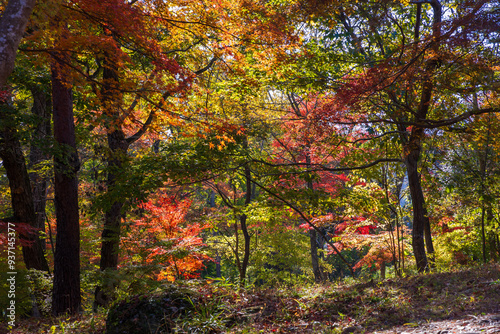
(243, 224)
(429, 246)
(66, 292)
(246, 252)
(13, 22)
(413, 148)
(382, 271)
(314, 256)
(483, 234)
(111, 233)
(13, 161)
(313, 237)
(42, 110)
(417, 199)
(483, 173)
(118, 146)
(112, 220)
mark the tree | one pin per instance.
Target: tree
(162, 243)
(13, 23)
(21, 196)
(125, 66)
(394, 86)
(469, 172)
(166, 79)
(301, 145)
(39, 157)
(66, 292)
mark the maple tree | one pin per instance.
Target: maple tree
(217, 162)
(171, 248)
(303, 146)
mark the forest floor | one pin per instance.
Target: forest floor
(465, 301)
(462, 301)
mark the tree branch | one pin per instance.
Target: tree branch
(318, 167)
(143, 129)
(206, 68)
(427, 123)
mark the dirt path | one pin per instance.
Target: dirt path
(483, 324)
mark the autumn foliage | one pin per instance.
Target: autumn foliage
(162, 240)
(329, 138)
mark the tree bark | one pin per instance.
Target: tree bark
(314, 256)
(110, 237)
(66, 292)
(111, 233)
(483, 173)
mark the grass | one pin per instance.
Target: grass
(330, 308)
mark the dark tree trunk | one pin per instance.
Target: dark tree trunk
(413, 147)
(112, 220)
(485, 202)
(118, 146)
(13, 21)
(66, 292)
(429, 246)
(246, 254)
(313, 237)
(417, 199)
(111, 233)
(42, 110)
(318, 277)
(21, 196)
(243, 224)
(112, 103)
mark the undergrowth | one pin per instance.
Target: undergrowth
(329, 308)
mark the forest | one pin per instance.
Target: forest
(195, 157)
